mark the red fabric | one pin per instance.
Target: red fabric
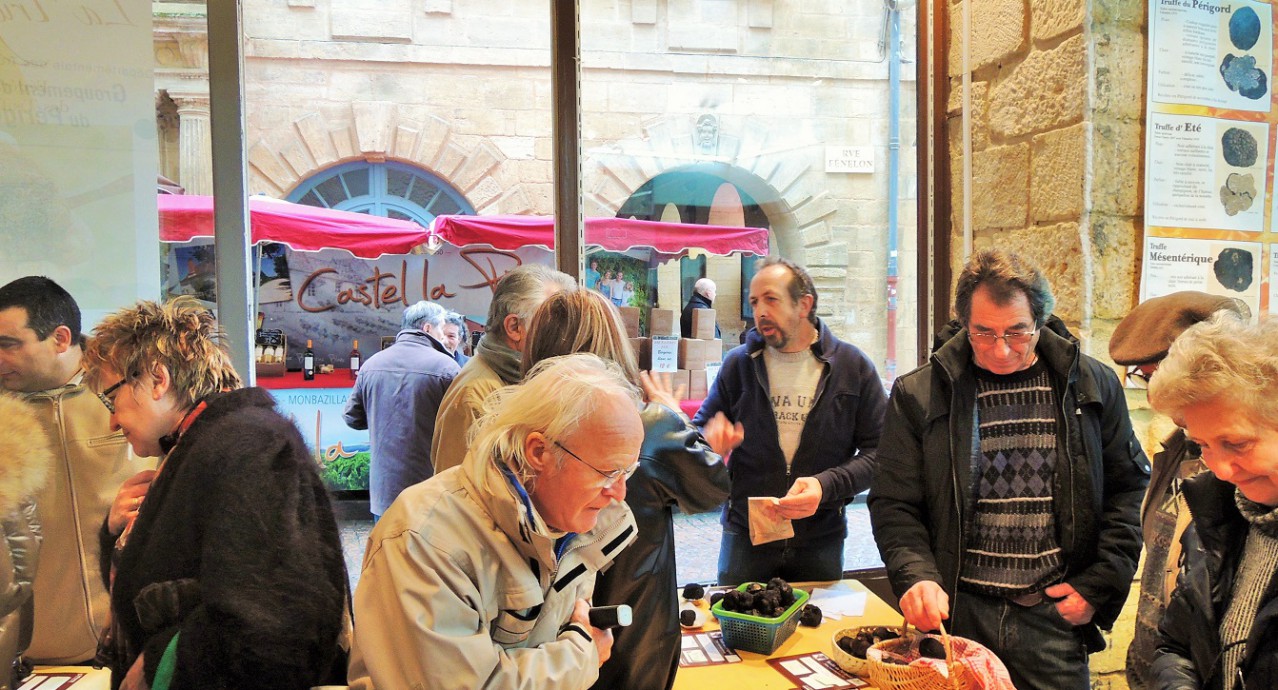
(613, 234)
(340, 378)
(690, 407)
(184, 217)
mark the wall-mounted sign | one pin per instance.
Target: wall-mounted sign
(849, 159)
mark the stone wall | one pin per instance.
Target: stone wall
(1057, 109)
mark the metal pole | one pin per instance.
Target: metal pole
(230, 192)
(894, 176)
(565, 81)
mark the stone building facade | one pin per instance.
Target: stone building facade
(463, 91)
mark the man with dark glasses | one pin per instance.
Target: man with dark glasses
(40, 352)
(1140, 343)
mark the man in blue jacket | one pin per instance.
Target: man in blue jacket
(396, 396)
(812, 409)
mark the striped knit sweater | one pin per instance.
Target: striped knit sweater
(1253, 585)
(1012, 548)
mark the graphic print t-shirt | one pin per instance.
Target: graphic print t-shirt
(792, 378)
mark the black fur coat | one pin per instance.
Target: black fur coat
(235, 548)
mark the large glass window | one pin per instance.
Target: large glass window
(388, 189)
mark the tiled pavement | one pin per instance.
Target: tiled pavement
(696, 541)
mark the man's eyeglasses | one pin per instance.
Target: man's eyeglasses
(1137, 377)
(107, 396)
(611, 477)
(1012, 338)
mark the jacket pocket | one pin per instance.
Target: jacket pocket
(516, 617)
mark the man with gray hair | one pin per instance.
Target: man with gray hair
(396, 397)
(455, 336)
(703, 294)
(496, 360)
(482, 576)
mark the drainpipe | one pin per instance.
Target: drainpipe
(894, 174)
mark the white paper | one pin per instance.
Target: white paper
(838, 602)
(1189, 43)
(665, 353)
(1190, 184)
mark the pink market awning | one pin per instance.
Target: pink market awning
(612, 234)
(183, 217)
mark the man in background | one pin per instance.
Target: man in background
(1140, 343)
(40, 351)
(496, 361)
(703, 293)
(812, 409)
(396, 396)
(454, 337)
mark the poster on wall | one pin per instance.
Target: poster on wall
(1209, 151)
(78, 153)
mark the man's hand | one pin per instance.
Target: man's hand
(602, 638)
(127, 500)
(723, 435)
(1070, 604)
(135, 679)
(925, 605)
(802, 500)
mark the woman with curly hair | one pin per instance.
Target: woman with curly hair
(224, 563)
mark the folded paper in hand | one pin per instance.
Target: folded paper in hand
(765, 526)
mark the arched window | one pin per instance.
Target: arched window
(389, 189)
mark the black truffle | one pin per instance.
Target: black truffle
(855, 646)
(716, 598)
(932, 648)
(811, 616)
(688, 617)
(693, 591)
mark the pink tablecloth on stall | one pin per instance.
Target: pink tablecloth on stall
(690, 407)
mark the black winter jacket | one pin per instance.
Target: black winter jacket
(837, 445)
(922, 500)
(677, 468)
(1189, 657)
(235, 548)
(697, 301)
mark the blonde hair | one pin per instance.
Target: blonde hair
(181, 335)
(556, 397)
(1221, 357)
(579, 321)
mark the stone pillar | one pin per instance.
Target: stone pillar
(195, 145)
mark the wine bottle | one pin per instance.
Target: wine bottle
(355, 360)
(308, 363)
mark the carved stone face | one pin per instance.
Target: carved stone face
(708, 132)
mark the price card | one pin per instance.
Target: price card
(665, 353)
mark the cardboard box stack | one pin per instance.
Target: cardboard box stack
(703, 322)
(630, 318)
(663, 322)
(693, 353)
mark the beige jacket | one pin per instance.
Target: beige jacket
(461, 588)
(90, 463)
(461, 406)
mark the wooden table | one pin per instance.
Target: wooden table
(48, 678)
(754, 672)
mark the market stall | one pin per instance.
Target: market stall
(334, 278)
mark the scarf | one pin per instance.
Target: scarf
(501, 358)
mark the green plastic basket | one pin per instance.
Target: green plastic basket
(744, 632)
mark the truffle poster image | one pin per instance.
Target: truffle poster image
(1211, 53)
(1273, 276)
(1205, 173)
(1231, 269)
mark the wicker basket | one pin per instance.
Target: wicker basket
(855, 665)
(888, 676)
(744, 632)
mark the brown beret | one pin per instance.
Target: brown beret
(1145, 335)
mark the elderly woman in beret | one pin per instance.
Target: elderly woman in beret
(224, 564)
(1220, 630)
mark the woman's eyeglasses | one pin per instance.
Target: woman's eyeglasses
(107, 396)
(611, 477)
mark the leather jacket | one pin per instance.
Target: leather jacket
(1189, 654)
(676, 468)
